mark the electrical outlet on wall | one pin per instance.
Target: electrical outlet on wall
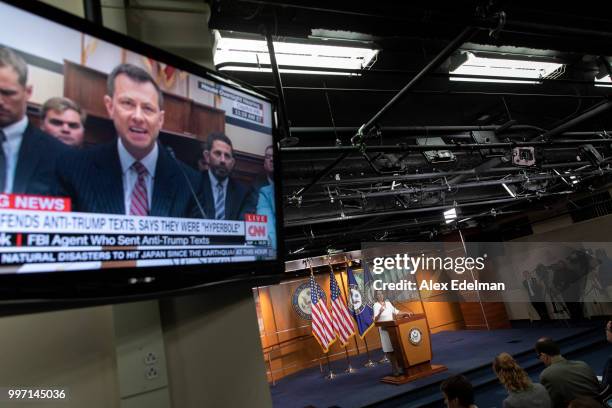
(151, 372)
(150, 358)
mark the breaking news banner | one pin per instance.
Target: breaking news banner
(41, 234)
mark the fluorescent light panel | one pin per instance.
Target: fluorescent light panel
(504, 68)
(450, 215)
(604, 82)
(293, 54)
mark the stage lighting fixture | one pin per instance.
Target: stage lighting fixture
(486, 137)
(289, 141)
(587, 151)
(435, 156)
(523, 156)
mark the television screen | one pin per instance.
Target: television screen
(117, 156)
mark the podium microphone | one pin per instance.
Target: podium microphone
(193, 194)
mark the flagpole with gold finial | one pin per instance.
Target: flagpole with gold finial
(349, 367)
(330, 375)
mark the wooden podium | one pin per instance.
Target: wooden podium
(410, 339)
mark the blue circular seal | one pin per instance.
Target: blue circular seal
(302, 301)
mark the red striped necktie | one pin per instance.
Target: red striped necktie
(139, 202)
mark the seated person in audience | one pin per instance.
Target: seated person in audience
(585, 402)
(64, 119)
(606, 378)
(522, 393)
(458, 392)
(564, 379)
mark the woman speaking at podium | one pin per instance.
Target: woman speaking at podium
(384, 311)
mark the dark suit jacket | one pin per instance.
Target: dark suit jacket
(35, 171)
(239, 199)
(92, 179)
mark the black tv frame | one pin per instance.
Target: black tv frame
(31, 291)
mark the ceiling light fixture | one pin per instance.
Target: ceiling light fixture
(502, 67)
(299, 55)
(604, 82)
(450, 215)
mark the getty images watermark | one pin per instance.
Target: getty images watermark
(554, 273)
(411, 264)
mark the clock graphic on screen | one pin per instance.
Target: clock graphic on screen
(415, 336)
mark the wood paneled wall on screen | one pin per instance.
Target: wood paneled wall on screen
(287, 341)
(186, 123)
(183, 116)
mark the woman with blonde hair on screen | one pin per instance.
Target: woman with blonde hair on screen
(522, 392)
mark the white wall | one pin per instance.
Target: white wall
(72, 349)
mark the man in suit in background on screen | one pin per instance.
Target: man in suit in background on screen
(133, 175)
(225, 198)
(64, 119)
(28, 155)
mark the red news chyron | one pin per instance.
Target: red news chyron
(34, 203)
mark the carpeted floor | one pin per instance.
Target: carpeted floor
(460, 351)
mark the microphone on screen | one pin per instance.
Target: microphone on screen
(193, 193)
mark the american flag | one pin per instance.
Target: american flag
(321, 320)
(344, 326)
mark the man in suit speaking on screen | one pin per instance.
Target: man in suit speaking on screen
(135, 174)
(225, 198)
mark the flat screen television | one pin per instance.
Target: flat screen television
(125, 170)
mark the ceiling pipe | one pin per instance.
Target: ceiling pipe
(361, 134)
(587, 114)
(510, 25)
(388, 227)
(419, 129)
(428, 176)
(313, 221)
(451, 147)
(549, 28)
(284, 121)
(447, 187)
(434, 92)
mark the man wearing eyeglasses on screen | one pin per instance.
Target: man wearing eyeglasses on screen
(64, 119)
(134, 174)
(27, 155)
